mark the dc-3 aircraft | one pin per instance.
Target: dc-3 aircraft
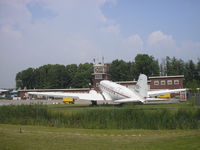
(110, 91)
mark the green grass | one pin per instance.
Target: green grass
(101, 117)
(51, 138)
(186, 105)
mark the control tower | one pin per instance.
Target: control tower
(100, 73)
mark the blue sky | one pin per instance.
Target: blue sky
(178, 17)
(38, 32)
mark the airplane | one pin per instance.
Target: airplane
(2, 90)
(110, 91)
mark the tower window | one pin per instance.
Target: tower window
(98, 76)
(98, 69)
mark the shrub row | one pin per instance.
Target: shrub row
(102, 118)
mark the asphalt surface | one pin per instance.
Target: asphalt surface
(28, 102)
(47, 102)
(50, 102)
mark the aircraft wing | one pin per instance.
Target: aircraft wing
(162, 92)
(92, 95)
(1, 90)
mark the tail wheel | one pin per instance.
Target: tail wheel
(94, 102)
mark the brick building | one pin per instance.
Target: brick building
(167, 82)
(101, 72)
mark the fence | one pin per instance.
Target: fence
(194, 97)
(197, 98)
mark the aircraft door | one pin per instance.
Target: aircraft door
(117, 93)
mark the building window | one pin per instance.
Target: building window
(176, 82)
(162, 82)
(169, 82)
(98, 76)
(156, 82)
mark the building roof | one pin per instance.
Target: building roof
(120, 82)
(161, 77)
(32, 90)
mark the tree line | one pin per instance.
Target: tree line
(80, 76)
(55, 77)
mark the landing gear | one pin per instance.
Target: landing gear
(94, 103)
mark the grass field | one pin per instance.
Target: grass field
(50, 138)
(103, 117)
(31, 137)
(67, 109)
(187, 104)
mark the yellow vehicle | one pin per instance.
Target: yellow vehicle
(165, 96)
(68, 100)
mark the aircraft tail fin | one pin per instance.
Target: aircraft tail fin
(141, 86)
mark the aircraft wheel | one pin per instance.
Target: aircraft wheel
(94, 103)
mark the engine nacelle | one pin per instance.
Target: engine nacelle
(93, 92)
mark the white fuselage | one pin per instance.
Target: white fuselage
(116, 91)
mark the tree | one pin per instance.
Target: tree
(198, 71)
(172, 66)
(163, 69)
(146, 64)
(192, 85)
(191, 71)
(121, 70)
(43, 72)
(60, 76)
(25, 79)
(71, 70)
(83, 76)
(18, 80)
(57, 76)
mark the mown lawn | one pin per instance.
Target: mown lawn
(51, 138)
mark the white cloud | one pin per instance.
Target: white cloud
(132, 46)
(161, 45)
(157, 38)
(7, 31)
(66, 38)
(14, 12)
(80, 48)
(135, 41)
(113, 29)
(77, 33)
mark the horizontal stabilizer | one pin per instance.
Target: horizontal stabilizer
(127, 100)
(156, 99)
(162, 92)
